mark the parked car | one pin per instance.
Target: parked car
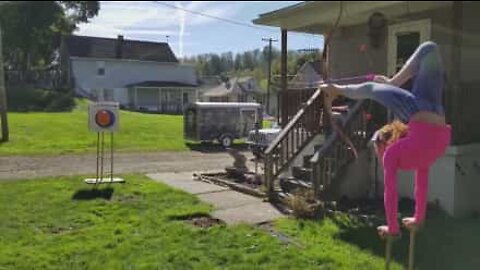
(221, 121)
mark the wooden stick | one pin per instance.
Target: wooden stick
(411, 249)
(388, 251)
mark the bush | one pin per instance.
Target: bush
(304, 204)
(27, 98)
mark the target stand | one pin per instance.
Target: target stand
(103, 119)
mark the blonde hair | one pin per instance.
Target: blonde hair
(394, 131)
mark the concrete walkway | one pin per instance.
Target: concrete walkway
(230, 206)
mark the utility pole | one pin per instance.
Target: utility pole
(3, 96)
(269, 82)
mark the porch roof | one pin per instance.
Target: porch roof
(317, 17)
(159, 84)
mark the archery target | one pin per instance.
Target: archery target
(103, 116)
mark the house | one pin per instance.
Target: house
(377, 37)
(307, 76)
(207, 83)
(139, 75)
(237, 89)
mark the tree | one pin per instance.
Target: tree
(237, 65)
(32, 29)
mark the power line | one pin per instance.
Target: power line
(213, 17)
(223, 19)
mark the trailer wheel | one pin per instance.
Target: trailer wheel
(226, 140)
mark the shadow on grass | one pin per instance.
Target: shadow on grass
(92, 194)
(215, 148)
(442, 243)
(187, 216)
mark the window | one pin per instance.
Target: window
(100, 68)
(403, 39)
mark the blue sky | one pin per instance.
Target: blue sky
(191, 34)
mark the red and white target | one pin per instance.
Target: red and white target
(103, 117)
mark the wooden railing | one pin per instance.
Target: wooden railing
(301, 128)
(290, 101)
(335, 153)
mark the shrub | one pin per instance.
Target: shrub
(26, 98)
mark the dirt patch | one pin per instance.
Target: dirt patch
(204, 221)
(285, 239)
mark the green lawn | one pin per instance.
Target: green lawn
(56, 133)
(58, 224)
(61, 224)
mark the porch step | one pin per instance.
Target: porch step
(302, 173)
(317, 147)
(290, 184)
(306, 161)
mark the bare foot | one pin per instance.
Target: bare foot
(410, 223)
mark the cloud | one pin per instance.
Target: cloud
(154, 21)
(118, 16)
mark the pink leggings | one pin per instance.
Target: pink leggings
(424, 144)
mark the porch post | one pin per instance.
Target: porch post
(159, 105)
(454, 98)
(135, 98)
(283, 76)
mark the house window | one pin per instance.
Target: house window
(185, 98)
(403, 39)
(100, 68)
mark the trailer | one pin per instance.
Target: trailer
(221, 121)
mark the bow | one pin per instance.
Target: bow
(326, 74)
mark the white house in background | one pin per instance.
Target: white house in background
(242, 89)
(139, 75)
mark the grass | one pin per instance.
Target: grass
(61, 224)
(67, 132)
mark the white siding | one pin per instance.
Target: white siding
(120, 95)
(119, 73)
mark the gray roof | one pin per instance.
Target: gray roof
(225, 105)
(218, 91)
(237, 84)
(95, 47)
(159, 84)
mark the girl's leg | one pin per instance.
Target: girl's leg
(412, 66)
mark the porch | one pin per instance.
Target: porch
(377, 37)
(160, 97)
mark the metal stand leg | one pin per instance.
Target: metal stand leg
(111, 157)
(102, 155)
(98, 156)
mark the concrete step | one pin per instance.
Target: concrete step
(302, 173)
